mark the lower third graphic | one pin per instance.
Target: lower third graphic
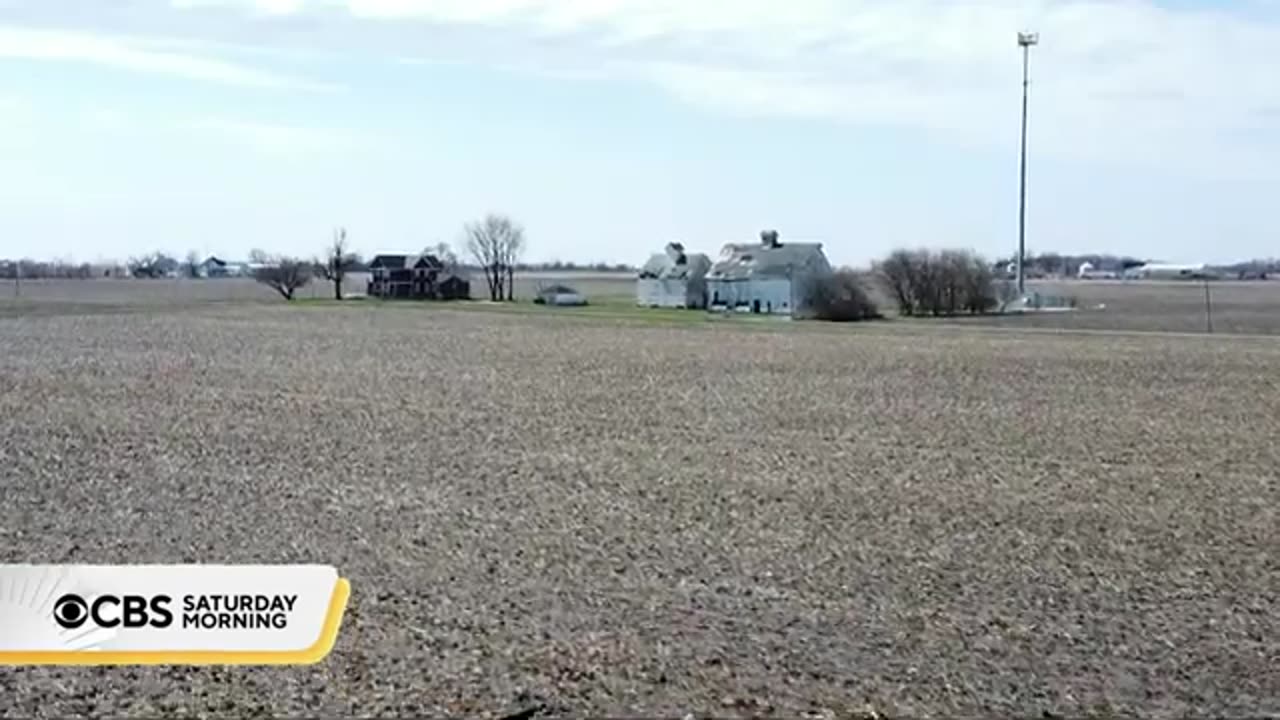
(169, 614)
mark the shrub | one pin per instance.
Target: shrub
(947, 282)
(840, 297)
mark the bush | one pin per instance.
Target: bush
(840, 297)
(947, 282)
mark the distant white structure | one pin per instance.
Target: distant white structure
(768, 277)
(674, 279)
(1089, 272)
(1159, 271)
(215, 267)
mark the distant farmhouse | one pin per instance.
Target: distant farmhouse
(415, 277)
(215, 267)
(674, 279)
(769, 277)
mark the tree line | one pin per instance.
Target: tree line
(918, 282)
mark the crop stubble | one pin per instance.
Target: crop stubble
(647, 520)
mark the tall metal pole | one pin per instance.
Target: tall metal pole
(1026, 40)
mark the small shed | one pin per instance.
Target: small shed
(453, 287)
(560, 296)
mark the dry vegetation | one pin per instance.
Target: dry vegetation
(620, 519)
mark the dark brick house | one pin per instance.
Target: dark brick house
(415, 277)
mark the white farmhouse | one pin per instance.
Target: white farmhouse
(769, 277)
(674, 279)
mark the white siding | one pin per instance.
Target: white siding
(652, 292)
(774, 295)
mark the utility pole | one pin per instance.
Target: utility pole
(1025, 41)
(17, 278)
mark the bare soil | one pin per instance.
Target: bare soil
(589, 517)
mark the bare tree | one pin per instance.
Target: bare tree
(338, 262)
(948, 282)
(895, 274)
(154, 265)
(284, 275)
(259, 256)
(444, 252)
(496, 243)
(192, 265)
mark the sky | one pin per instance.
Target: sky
(608, 128)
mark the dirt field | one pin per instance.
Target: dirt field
(621, 519)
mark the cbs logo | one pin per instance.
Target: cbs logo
(108, 611)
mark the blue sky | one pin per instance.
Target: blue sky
(609, 127)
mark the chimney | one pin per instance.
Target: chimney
(675, 251)
(769, 239)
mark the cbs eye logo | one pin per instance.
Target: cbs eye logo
(70, 611)
(108, 611)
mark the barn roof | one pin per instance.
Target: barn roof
(739, 261)
(675, 264)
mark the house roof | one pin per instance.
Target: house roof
(740, 261)
(404, 261)
(390, 261)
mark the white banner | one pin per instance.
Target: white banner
(169, 614)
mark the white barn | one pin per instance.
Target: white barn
(674, 279)
(769, 277)
(1159, 271)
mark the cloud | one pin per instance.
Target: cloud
(1111, 79)
(278, 138)
(265, 7)
(136, 55)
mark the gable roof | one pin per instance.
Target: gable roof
(740, 261)
(404, 261)
(662, 266)
(390, 261)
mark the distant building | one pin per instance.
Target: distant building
(674, 279)
(414, 277)
(1089, 272)
(452, 287)
(768, 277)
(215, 267)
(1159, 271)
